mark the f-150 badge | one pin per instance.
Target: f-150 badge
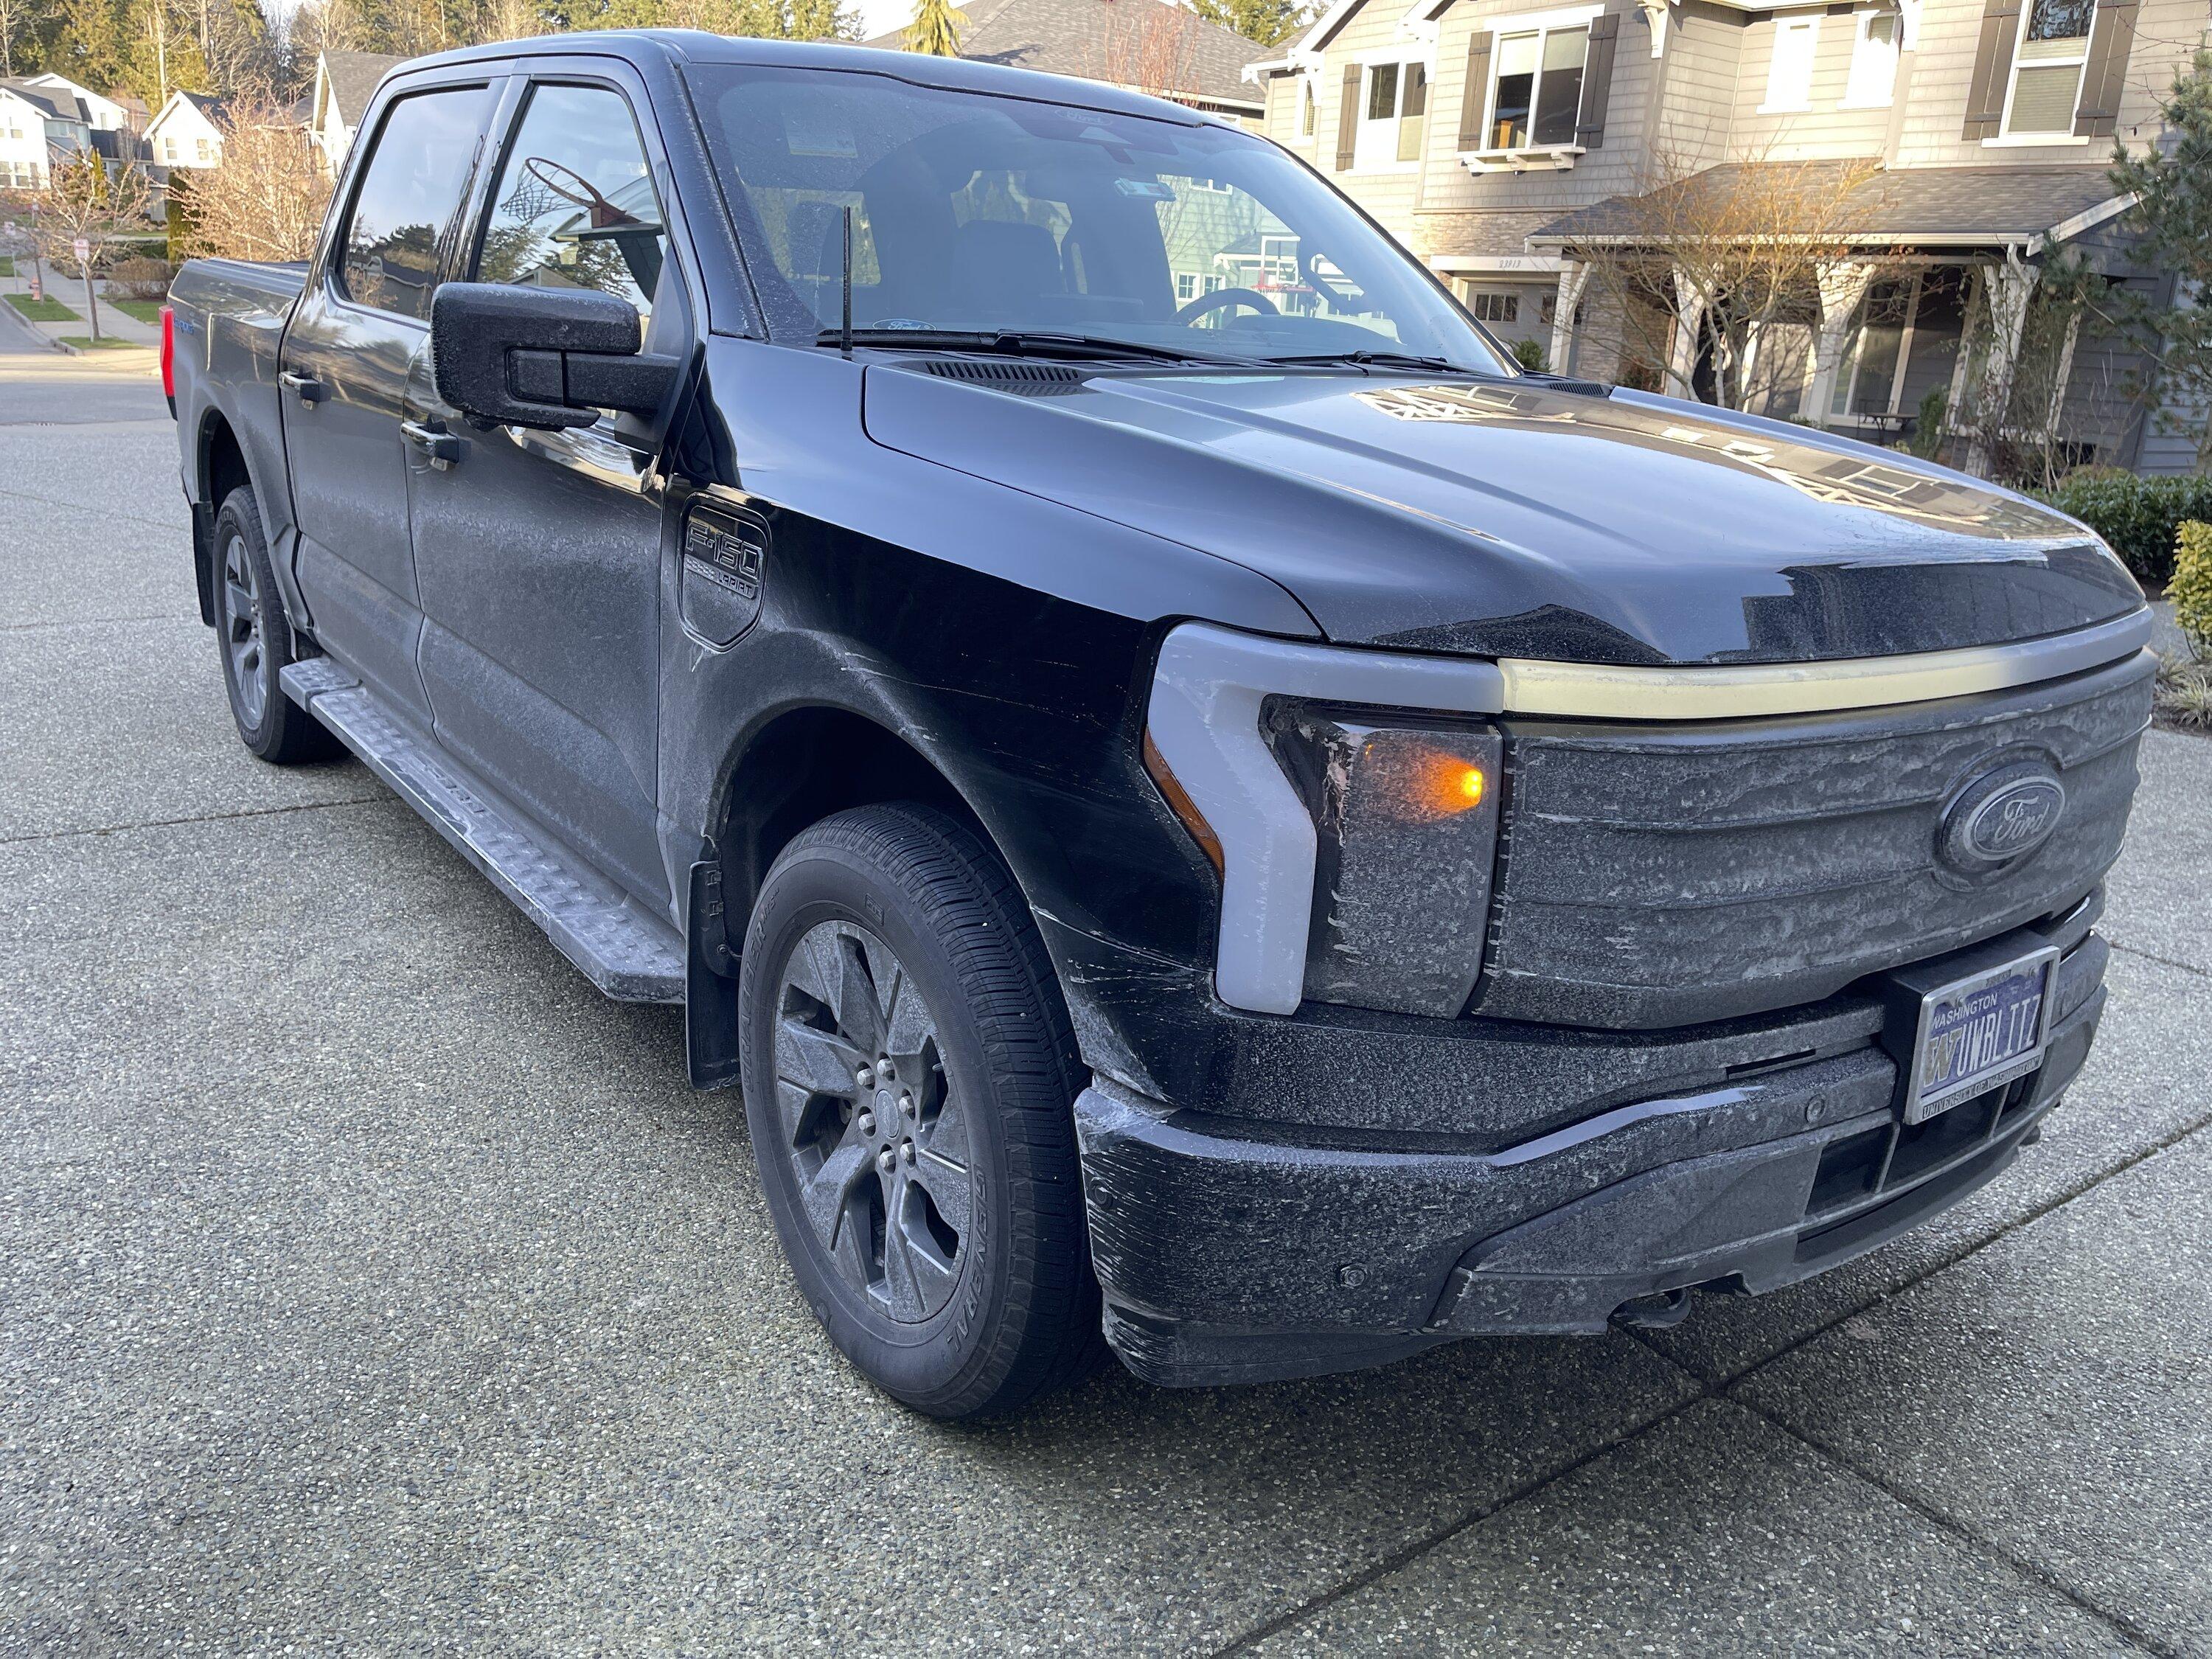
(725, 557)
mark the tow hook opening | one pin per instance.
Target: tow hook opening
(1660, 1310)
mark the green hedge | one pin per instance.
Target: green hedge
(2138, 516)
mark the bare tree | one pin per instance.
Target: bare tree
(83, 201)
(1741, 260)
(266, 198)
(1151, 47)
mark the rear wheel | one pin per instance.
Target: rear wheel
(256, 641)
(908, 1075)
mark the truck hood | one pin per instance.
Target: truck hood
(1517, 519)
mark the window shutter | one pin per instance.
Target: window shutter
(1597, 81)
(1348, 118)
(1985, 94)
(1475, 97)
(2106, 78)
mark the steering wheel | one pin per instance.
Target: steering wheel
(1189, 314)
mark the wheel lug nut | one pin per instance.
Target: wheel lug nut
(883, 1069)
(885, 1161)
(866, 1077)
(867, 1124)
(907, 1106)
(906, 1151)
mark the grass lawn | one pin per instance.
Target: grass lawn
(105, 343)
(7, 265)
(43, 311)
(146, 311)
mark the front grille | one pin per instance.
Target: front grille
(1662, 876)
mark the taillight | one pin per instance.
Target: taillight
(169, 357)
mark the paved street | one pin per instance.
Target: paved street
(369, 1283)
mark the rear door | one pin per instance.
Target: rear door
(357, 339)
(540, 553)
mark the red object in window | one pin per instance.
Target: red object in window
(169, 355)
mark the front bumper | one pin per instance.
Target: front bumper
(1239, 1250)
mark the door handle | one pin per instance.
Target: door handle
(442, 447)
(310, 389)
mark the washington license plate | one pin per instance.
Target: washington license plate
(1978, 1032)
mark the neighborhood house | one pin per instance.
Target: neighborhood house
(1558, 163)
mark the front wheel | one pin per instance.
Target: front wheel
(908, 1074)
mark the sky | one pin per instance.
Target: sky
(878, 16)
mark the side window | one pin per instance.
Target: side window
(575, 207)
(408, 199)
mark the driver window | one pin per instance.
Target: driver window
(575, 206)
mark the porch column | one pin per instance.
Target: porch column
(2006, 290)
(1842, 284)
(1682, 352)
(1574, 277)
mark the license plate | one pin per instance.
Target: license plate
(1978, 1032)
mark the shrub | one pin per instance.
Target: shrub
(2184, 695)
(1926, 438)
(1531, 355)
(139, 278)
(2190, 589)
(2138, 516)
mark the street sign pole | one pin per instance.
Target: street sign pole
(83, 248)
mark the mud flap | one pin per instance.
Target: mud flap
(710, 984)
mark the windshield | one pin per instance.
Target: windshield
(977, 215)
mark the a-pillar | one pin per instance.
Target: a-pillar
(1843, 285)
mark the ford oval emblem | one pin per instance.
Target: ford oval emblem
(2001, 816)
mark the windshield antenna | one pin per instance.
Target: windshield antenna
(846, 337)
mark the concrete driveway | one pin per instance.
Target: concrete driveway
(368, 1284)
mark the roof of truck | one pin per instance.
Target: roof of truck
(955, 74)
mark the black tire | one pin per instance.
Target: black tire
(254, 640)
(903, 899)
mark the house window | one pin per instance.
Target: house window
(1789, 72)
(1491, 307)
(2046, 76)
(1538, 91)
(1392, 117)
(1189, 284)
(1307, 115)
(200, 149)
(1874, 61)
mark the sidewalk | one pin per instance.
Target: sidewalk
(61, 318)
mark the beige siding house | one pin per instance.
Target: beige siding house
(1954, 148)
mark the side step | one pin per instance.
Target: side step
(628, 953)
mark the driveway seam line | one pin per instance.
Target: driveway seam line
(2152, 956)
(78, 506)
(97, 622)
(1407, 1554)
(2119, 1623)
(2057, 1200)
(208, 817)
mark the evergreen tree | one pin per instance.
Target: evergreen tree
(2172, 183)
(936, 28)
(1266, 22)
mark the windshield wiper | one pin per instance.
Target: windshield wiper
(1364, 359)
(1026, 343)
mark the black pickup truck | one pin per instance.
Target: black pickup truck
(1209, 814)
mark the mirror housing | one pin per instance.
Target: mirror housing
(543, 357)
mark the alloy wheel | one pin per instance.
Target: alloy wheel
(241, 611)
(876, 1137)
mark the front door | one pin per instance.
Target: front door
(539, 553)
(359, 334)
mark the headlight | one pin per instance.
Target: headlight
(1404, 809)
(1406, 818)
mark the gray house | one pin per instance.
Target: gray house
(1936, 158)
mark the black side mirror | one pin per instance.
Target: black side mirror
(544, 357)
